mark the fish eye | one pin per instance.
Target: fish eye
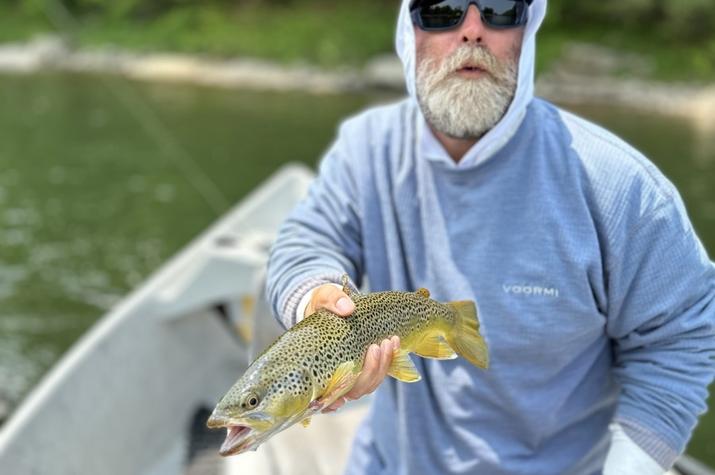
(250, 401)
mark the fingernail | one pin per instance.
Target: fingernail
(343, 305)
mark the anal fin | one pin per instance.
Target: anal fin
(402, 368)
(434, 346)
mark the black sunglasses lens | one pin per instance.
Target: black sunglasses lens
(440, 15)
(502, 13)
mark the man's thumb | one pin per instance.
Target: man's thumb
(344, 306)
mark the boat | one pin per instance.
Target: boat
(133, 394)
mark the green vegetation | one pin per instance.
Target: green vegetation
(674, 37)
(325, 34)
(17, 25)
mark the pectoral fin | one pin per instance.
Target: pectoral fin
(402, 367)
(434, 346)
(343, 379)
(305, 422)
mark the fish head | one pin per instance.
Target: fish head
(262, 403)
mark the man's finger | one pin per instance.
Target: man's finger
(377, 364)
(335, 406)
(371, 364)
(364, 381)
(384, 365)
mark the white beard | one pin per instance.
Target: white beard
(465, 108)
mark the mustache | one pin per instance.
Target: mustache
(472, 56)
(465, 56)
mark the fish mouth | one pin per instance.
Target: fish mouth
(239, 439)
(240, 435)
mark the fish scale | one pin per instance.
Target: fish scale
(319, 359)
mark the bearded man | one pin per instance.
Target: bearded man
(595, 295)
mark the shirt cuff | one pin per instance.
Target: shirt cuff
(303, 304)
(289, 306)
(649, 442)
(625, 457)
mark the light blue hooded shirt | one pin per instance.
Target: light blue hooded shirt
(595, 295)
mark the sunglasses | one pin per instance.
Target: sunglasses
(448, 14)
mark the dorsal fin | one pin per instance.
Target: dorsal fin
(349, 289)
(422, 292)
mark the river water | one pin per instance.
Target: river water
(102, 180)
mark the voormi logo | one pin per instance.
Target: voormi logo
(531, 290)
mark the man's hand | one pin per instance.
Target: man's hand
(378, 358)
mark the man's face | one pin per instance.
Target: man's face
(466, 77)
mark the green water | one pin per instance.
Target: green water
(101, 181)
(91, 201)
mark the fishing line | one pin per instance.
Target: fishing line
(148, 120)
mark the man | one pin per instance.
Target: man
(595, 296)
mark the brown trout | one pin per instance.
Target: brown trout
(318, 360)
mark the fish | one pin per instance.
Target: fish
(318, 360)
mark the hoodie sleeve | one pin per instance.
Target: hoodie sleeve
(661, 319)
(320, 241)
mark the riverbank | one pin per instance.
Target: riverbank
(583, 74)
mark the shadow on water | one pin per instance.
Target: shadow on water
(90, 203)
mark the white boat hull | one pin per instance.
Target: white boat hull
(122, 399)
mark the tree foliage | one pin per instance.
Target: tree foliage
(678, 21)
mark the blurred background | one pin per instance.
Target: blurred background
(127, 127)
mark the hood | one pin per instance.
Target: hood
(496, 138)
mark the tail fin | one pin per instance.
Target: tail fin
(464, 337)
